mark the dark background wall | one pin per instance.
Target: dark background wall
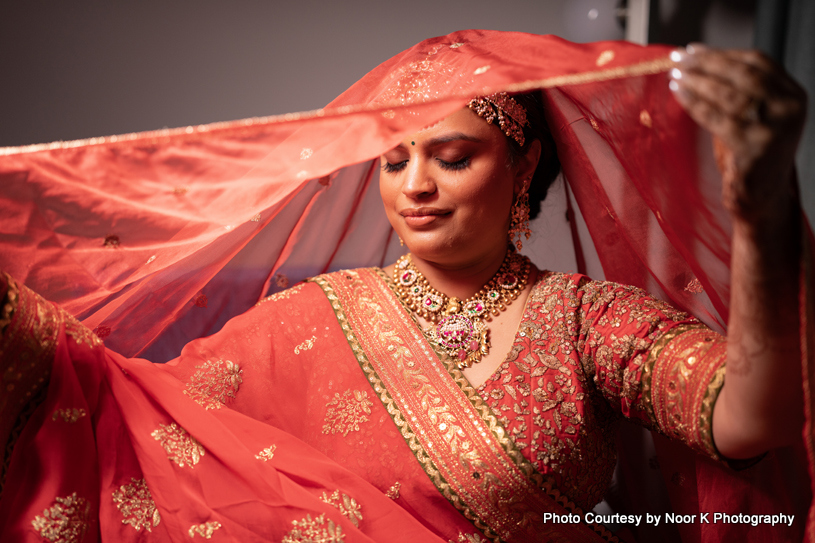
(79, 69)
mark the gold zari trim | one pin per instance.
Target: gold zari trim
(682, 378)
(454, 435)
(197, 132)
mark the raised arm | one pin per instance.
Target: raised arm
(756, 113)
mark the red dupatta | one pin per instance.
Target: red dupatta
(154, 229)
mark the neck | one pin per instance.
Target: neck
(461, 280)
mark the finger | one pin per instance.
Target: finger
(718, 65)
(752, 57)
(718, 92)
(748, 69)
(729, 128)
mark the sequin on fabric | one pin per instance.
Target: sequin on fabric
(316, 530)
(345, 504)
(136, 505)
(214, 383)
(605, 57)
(469, 538)
(66, 521)
(205, 530)
(346, 412)
(181, 447)
(69, 414)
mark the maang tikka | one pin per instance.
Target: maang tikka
(519, 223)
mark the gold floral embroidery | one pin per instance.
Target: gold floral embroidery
(205, 530)
(345, 413)
(182, 448)
(306, 345)
(306, 153)
(66, 521)
(283, 294)
(136, 505)
(317, 530)
(605, 57)
(81, 334)
(255, 218)
(645, 119)
(214, 383)
(266, 454)
(695, 286)
(393, 491)
(345, 504)
(69, 415)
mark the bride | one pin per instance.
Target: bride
(458, 394)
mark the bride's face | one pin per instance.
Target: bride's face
(448, 190)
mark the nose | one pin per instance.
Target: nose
(418, 182)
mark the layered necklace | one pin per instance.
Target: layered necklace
(459, 327)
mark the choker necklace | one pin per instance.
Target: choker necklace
(459, 326)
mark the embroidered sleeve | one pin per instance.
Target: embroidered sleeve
(27, 348)
(650, 361)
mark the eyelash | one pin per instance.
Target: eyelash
(452, 166)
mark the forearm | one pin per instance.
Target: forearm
(761, 404)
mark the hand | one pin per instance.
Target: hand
(756, 111)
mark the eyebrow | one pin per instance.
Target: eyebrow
(453, 136)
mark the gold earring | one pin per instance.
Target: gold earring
(519, 224)
(402, 243)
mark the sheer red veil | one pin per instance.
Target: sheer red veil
(156, 238)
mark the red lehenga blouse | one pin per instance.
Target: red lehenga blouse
(323, 414)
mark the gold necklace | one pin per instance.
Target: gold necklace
(459, 327)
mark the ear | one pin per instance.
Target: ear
(526, 166)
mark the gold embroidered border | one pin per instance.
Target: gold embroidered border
(197, 132)
(681, 381)
(460, 445)
(385, 397)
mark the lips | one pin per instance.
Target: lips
(423, 216)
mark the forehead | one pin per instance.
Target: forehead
(464, 121)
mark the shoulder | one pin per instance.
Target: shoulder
(577, 290)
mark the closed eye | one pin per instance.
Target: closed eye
(454, 166)
(393, 168)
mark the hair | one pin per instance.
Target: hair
(549, 164)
